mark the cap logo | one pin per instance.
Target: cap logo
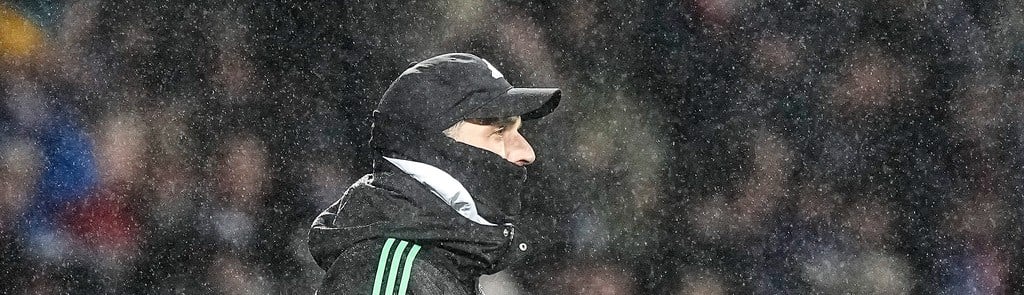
(494, 72)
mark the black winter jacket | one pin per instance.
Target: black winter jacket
(390, 208)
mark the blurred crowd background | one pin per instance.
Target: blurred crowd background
(703, 146)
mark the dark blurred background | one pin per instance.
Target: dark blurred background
(703, 146)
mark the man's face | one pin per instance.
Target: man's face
(502, 138)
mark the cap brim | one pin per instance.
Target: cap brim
(528, 103)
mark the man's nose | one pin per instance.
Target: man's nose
(519, 151)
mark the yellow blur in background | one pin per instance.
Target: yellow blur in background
(19, 37)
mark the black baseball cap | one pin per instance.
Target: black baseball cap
(442, 90)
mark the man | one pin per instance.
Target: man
(440, 208)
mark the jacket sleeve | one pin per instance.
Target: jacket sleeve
(393, 267)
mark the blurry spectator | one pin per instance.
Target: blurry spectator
(978, 264)
(599, 278)
(104, 226)
(862, 262)
(745, 217)
(328, 181)
(701, 283)
(175, 244)
(233, 275)
(240, 175)
(19, 173)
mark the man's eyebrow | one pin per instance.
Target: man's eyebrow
(510, 122)
(496, 122)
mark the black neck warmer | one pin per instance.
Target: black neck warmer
(493, 182)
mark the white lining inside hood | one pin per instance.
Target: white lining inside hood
(444, 186)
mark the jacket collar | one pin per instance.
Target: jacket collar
(444, 186)
(494, 182)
